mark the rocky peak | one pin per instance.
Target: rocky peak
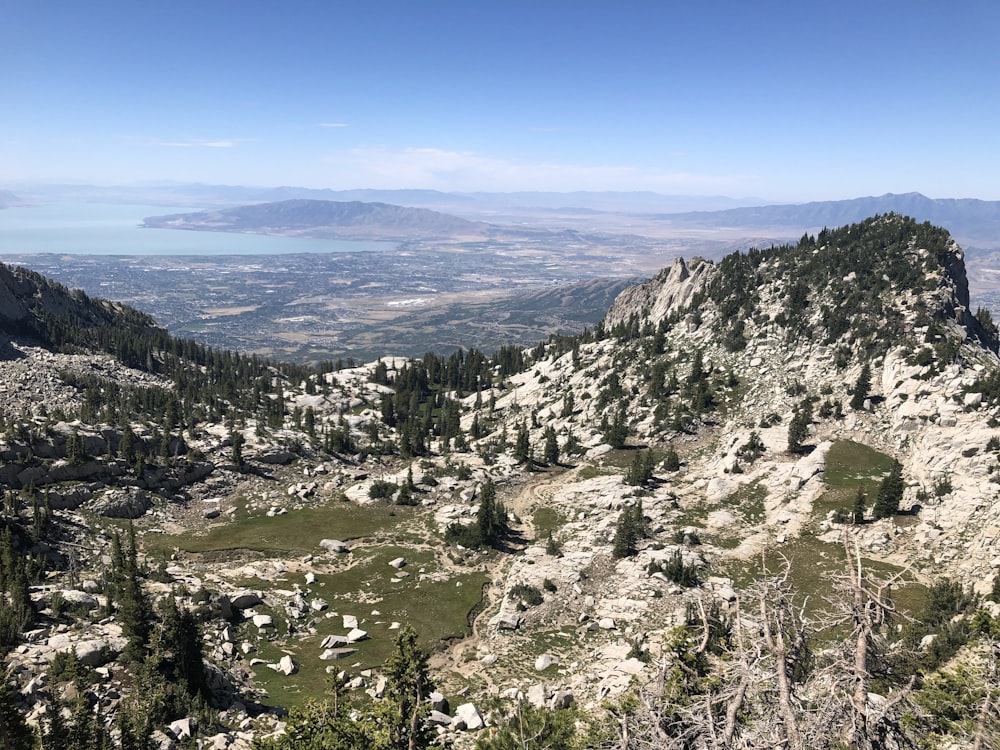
(673, 289)
(728, 353)
(863, 288)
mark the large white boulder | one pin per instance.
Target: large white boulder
(357, 635)
(467, 716)
(543, 662)
(263, 621)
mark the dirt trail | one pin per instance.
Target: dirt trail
(534, 493)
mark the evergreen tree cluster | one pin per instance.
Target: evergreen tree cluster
(640, 471)
(491, 526)
(839, 286)
(424, 403)
(631, 527)
(17, 572)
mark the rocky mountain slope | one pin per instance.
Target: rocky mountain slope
(653, 474)
(899, 306)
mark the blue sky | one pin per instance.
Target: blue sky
(786, 101)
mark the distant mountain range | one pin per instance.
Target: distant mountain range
(471, 204)
(379, 213)
(9, 199)
(969, 220)
(315, 218)
(966, 218)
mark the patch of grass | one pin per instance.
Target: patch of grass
(850, 465)
(438, 611)
(692, 515)
(622, 458)
(723, 542)
(546, 521)
(748, 502)
(361, 583)
(848, 462)
(558, 642)
(591, 472)
(814, 565)
(298, 531)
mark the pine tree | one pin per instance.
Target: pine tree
(551, 446)
(491, 518)
(84, 730)
(135, 725)
(134, 609)
(75, 448)
(521, 443)
(627, 533)
(15, 734)
(126, 444)
(16, 611)
(890, 493)
(568, 405)
(616, 432)
(408, 685)
(671, 461)
(798, 428)
(180, 647)
(861, 387)
(55, 733)
(860, 501)
(236, 439)
(534, 727)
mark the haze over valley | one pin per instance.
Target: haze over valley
(363, 280)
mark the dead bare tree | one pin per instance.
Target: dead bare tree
(988, 718)
(674, 711)
(765, 688)
(848, 710)
(729, 702)
(783, 629)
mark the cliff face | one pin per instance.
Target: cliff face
(14, 290)
(670, 291)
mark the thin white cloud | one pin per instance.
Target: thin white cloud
(333, 125)
(439, 169)
(198, 143)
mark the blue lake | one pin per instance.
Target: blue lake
(115, 229)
